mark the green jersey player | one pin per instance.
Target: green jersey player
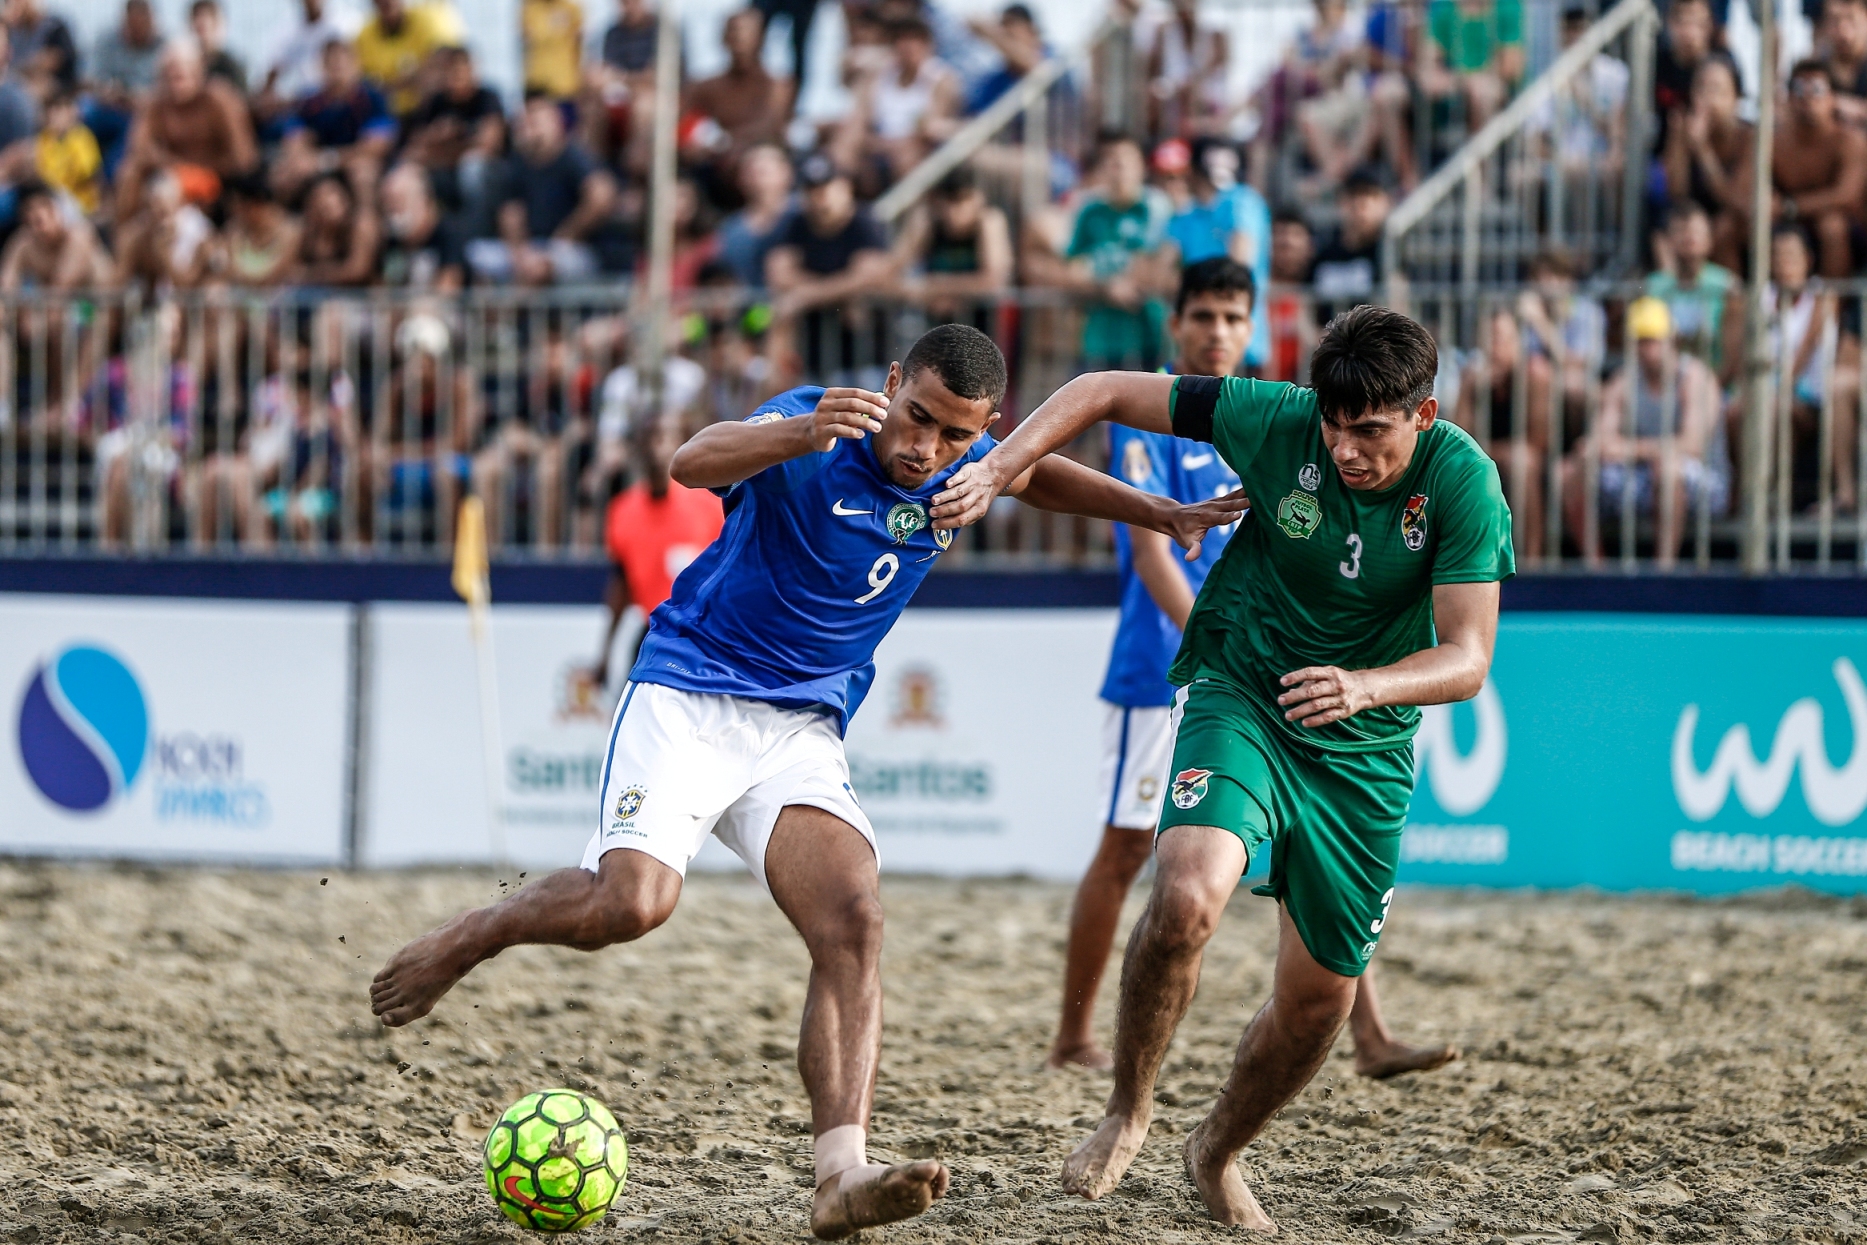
(1362, 584)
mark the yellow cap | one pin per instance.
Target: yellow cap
(1649, 319)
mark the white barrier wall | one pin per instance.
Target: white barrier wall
(175, 730)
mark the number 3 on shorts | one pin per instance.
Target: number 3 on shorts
(880, 576)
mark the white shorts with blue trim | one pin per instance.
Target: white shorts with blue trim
(683, 765)
(1137, 748)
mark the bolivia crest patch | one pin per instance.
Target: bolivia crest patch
(1189, 787)
(1413, 522)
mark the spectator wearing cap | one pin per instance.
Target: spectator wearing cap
(295, 68)
(344, 124)
(209, 25)
(1655, 434)
(1347, 270)
(1819, 168)
(423, 249)
(196, 125)
(66, 155)
(748, 235)
(44, 54)
(551, 38)
(397, 44)
(832, 252)
(1188, 72)
(459, 133)
(53, 249)
(737, 108)
(1224, 217)
(1474, 54)
(905, 110)
(1114, 255)
(955, 253)
(556, 202)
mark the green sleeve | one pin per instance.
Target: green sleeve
(1247, 411)
(1509, 23)
(1474, 542)
(1079, 245)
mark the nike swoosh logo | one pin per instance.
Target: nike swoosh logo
(1193, 462)
(839, 508)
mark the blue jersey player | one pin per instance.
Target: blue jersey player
(1211, 328)
(732, 721)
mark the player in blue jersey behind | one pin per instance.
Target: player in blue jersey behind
(732, 721)
(1211, 329)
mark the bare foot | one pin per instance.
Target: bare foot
(416, 977)
(1396, 1058)
(867, 1197)
(1087, 1055)
(1225, 1193)
(1100, 1162)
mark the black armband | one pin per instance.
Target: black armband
(1195, 399)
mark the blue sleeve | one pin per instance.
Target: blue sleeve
(785, 476)
(378, 122)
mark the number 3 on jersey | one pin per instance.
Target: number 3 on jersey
(880, 576)
(1352, 567)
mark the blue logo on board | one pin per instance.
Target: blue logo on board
(83, 728)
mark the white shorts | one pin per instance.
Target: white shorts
(1137, 748)
(683, 765)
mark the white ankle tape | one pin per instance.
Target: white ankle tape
(840, 1149)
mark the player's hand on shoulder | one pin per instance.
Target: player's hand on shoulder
(846, 414)
(1320, 695)
(968, 494)
(1188, 525)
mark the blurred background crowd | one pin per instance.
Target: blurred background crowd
(316, 294)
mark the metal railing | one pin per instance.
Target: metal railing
(327, 426)
(1561, 169)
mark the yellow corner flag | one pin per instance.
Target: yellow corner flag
(472, 575)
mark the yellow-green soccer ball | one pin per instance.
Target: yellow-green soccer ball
(555, 1161)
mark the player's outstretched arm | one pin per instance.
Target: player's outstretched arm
(1464, 615)
(1058, 484)
(1138, 399)
(721, 455)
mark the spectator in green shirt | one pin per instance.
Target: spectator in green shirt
(1114, 254)
(1701, 296)
(1475, 53)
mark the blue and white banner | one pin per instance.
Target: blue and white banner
(1626, 752)
(174, 730)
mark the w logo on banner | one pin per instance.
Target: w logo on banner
(83, 728)
(1835, 796)
(1462, 783)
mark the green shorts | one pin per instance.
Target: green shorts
(1333, 819)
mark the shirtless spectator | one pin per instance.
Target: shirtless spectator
(44, 55)
(296, 69)
(168, 244)
(1844, 27)
(1819, 168)
(345, 124)
(556, 200)
(746, 105)
(340, 237)
(748, 235)
(1707, 154)
(955, 253)
(193, 125)
(1188, 68)
(904, 111)
(52, 250)
(423, 249)
(459, 133)
(209, 25)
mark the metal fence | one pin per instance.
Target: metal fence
(337, 426)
